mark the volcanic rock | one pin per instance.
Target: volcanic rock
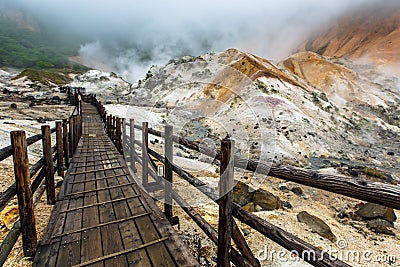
(371, 211)
(267, 200)
(242, 194)
(381, 226)
(317, 225)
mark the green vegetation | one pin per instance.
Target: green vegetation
(48, 76)
(23, 48)
(374, 173)
(270, 90)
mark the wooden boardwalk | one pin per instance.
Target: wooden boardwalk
(102, 217)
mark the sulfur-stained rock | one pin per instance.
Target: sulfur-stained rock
(9, 215)
(249, 207)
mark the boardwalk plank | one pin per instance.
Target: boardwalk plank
(72, 237)
(91, 240)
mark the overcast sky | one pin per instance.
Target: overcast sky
(130, 35)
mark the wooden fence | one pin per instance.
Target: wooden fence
(55, 158)
(375, 192)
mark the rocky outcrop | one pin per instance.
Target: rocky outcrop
(370, 33)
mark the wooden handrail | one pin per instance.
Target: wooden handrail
(276, 234)
(374, 192)
(6, 152)
(11, 191)
(23, 186)
(380, 193)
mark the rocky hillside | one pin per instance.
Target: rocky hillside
(312, 107)
(372, 34)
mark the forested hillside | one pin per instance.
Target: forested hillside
(22, 47)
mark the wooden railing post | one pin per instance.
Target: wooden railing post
(124, 137)
(168, 150)
(113, 129)
(60, 149)
(132, 142)
(71, 136)
(48, 164)
(24, 193)
(65, 142)
(109, 123)
(145, 155)
(122, 140)
(225, 219)
(75, 128)
(79, 127)
(118, 134)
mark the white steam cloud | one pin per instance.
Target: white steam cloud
(128, 36)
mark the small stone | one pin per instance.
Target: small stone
(352, 172)
(287, 205)
(41, 120)
(283, 188)
(317, 225)
(325, 155)
(258, 208)
(297, 191)
(381, 226)
(342, 215)
(13, 105)
(246, 232)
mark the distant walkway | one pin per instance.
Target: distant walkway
(102, 217)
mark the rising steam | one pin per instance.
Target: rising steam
(129, 36)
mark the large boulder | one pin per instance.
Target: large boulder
(267, 200)
(371, 211)
(317, 225)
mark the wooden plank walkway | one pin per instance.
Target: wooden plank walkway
(102, 217)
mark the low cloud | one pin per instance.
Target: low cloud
(129, 36)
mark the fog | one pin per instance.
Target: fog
(128, 36)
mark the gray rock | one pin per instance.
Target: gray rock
(374, 211)
(267, 200)
(297, 191)
(287, 205)
(246, 232)
(317, 225)
(283, 188)
(352, 172)
(381, 226)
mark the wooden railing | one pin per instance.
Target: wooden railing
(375, 192)
(55, 158)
